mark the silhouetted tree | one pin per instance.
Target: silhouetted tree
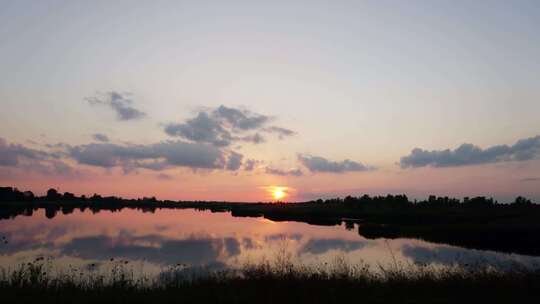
(68, 196)
(6, 194)
(522, 201)
(50, 212)
(52, 194)
(28, 195)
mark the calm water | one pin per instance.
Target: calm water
(152, 242)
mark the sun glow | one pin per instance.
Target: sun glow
(278, 193)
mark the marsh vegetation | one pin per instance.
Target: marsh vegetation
(274, 281)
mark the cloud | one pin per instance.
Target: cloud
(274, 171)
(465, 257)
(108, 155)
(19, 242)
(248, 243)
(283, 237)
(468, 154)
(232, 246)
(281, 132)
(61, 168)
(12, 155)
(235, 161)
(158, 156)
(320, 164)
(100, 137)
(530, 179)
(189, 155)
(163, 176)
(241, 119)
(250, 164)
(254, 138)
(320, 246)
(203, 128)
(196, 249)
(224, 125)
(153, 248)
(28, 159)
(119, 103)
(129, 157)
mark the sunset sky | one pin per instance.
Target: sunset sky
(227, 100)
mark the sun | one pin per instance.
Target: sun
(278, 193)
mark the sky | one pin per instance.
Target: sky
(227, 100)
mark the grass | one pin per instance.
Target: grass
(277, 281)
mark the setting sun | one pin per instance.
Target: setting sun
(277, 193)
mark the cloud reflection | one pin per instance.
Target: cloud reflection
(154, 248)
(450, 256)
(320, 246)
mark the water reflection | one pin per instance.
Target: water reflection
(215, 240)
(321, 246)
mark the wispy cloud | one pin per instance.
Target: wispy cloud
(163, 176)
(100, 137)
(530, 179)
(250, 164)
(288, 172)
(120, 103)
(281, 132)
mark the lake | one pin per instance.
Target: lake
(149, 243)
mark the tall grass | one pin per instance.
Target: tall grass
(270, 281)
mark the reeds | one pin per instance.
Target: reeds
(270, 281)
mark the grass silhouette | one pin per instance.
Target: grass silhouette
(276, 281)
